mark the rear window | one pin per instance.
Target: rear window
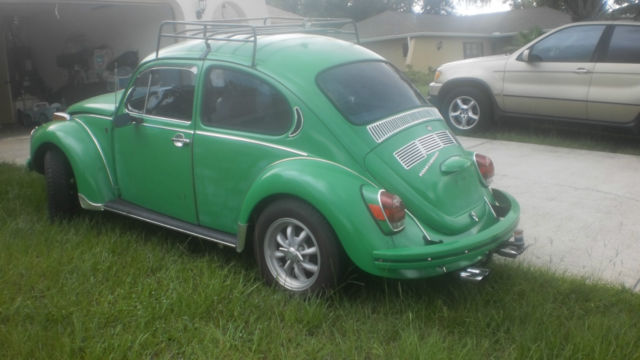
(368, 91)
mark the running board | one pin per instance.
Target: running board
(137, 212)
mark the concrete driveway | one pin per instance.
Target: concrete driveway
(580, 209)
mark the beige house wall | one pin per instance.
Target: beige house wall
(431, 52)
(425, 53)
(391, 50)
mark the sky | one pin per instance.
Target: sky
(463, 7)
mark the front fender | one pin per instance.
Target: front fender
(86, 157)
(333, 190)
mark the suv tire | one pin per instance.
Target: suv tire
(467, 110)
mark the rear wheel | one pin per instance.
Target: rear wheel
(62, 194)
(467, 110)
(296, 248)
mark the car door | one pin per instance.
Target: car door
(153, 154)
(243, 128)
(614, 95)
(552, 77)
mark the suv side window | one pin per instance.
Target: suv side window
(238, 101)
(625, 45)
(164, 92)
(574, 44)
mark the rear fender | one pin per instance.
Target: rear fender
(333, 190)
(94, 179)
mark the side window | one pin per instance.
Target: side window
(625, 45)
(138, 94)
(238, 101)
(574, 44)
(164, 92)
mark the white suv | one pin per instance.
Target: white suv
(587, 72)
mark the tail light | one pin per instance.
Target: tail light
(389, 211)
(485, 167)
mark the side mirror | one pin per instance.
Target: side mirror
(525, 55)
(125, 119)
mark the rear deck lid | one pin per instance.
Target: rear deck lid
(426, 166)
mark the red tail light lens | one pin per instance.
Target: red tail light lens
(485, 167)
(390, 209)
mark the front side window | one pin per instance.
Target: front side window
(625, 45)
(236, 100)
(163, 92)
(368, 91)
(574, 44)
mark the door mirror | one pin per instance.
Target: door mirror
(125, 119)
(525, 55)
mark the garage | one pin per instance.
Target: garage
(53, 53)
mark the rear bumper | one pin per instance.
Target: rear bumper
(437, 259)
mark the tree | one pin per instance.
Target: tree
(587, 9)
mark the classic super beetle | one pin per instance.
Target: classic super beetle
(312, 151)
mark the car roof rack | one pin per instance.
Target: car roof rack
(243, 30)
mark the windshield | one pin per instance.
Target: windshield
(368, 91)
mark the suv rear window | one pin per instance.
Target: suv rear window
(368, 91)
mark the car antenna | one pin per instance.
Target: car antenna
(115, 79)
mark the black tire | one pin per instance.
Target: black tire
(62, 193)
(315, 262)
(467, 110)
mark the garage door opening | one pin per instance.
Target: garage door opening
(54, 54)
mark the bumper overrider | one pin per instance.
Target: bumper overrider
(502, 238)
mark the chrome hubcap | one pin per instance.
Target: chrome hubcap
(464, 112)
(292, 254)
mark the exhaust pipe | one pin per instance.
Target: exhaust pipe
(513, 248)
(474, 274)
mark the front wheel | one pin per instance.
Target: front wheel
(62, 194)
(296, 248)
(467, 110)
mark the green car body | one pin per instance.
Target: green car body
(185, 168)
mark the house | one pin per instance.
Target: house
(423, 42)
(59, 50)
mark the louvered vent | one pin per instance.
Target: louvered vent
(387, 127)
(419, 149)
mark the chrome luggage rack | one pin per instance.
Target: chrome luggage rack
(244, 30)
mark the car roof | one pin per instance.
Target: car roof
(286, 56)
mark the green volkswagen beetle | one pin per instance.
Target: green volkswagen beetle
(312, 151)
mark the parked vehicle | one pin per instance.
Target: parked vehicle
(585, 72)
(311, 150)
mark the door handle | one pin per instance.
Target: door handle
(581, 70)
(179, 140)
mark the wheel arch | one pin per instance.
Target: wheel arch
(79, 147)
(326, 187)
(478, 84)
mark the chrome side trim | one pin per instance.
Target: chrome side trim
(88, 205)
(189, 131)
(104, 160)
(242, 237)
(94, 115)
(251, 141)
(328, 162)
(298, 127)
(217, 241)
(383, 129)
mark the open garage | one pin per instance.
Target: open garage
(55, 53)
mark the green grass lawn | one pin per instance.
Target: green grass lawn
(103, 286)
